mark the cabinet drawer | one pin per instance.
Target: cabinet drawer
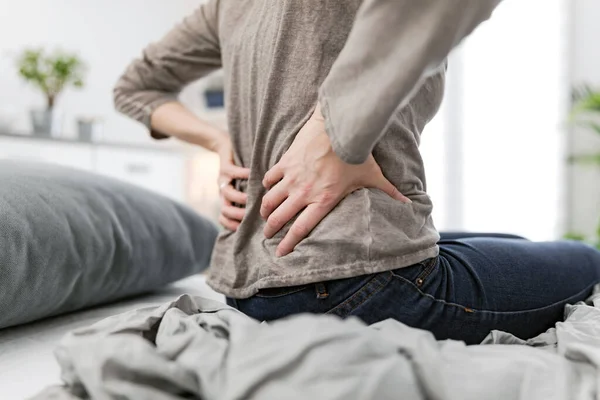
(158, 171)
(73, 155)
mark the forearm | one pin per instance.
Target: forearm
(175, 120)
(147, 91)
(394, 45)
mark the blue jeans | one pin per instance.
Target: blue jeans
(478, 283)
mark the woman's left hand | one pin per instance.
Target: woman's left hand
(311, 179)
(231, 215)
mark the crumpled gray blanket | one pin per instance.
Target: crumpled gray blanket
(195, 348)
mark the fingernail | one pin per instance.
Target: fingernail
(281, 253)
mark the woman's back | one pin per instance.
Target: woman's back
(276, 55)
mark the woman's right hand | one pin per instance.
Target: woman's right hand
(174, 119)
(231, 215)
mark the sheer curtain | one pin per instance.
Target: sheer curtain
(495, 152)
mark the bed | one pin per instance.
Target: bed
(197, 348)
(27, 363)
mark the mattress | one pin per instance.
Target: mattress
(27, 362)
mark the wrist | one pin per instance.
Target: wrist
(317, 114)
(219, 143)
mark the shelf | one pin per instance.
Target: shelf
(74, 141)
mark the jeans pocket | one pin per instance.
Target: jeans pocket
(417, 274)
(350, 302)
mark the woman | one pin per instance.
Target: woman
(325, 205)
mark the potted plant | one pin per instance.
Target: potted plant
(50, 73)
(586, 113)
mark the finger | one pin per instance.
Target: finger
(235, 172)
(228, 224)
(283, 214)
(301, 228)
(391, 190)
(233, 213)
(223, 183)
(229, 214)
(233, 195)
(273, 176)
(273, 199)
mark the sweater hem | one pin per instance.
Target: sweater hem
(358, 268)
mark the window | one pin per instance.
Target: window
(494, 154)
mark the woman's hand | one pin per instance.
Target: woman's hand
(311, 179)
(231, 215)
(174, 119)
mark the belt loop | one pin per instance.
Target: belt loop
(321, 290)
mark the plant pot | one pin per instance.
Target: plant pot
(41, 121)
(89, 129)
(85, 131)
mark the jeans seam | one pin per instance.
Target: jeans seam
(296, 290)
(349, 305)
(475, 310)
(404, 280)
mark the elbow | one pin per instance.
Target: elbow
(118, 96)
(130, 100)
(139, 103)
(123, 95)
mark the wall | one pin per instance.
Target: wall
(494, 156)
(107, 34)
(584, 182)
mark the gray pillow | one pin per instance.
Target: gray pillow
(71, 239)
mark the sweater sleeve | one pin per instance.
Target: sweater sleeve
(393, 46)
(188, 52)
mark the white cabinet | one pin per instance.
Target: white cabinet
(161, 171)
(67, 154)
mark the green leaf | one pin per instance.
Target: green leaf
(586, 159)
(585, 123)
(586, 100)
(580, 92)
(574, 236)
(51, 73)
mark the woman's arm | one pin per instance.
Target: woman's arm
(393, 46)
(147, 91)
(176, 120)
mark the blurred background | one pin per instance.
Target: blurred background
(506, 153)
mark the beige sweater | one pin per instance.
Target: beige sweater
(377, 67)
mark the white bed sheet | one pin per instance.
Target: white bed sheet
(27, 363)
